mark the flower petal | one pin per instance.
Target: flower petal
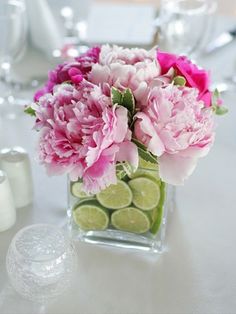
(128, 152)
(175, 169)
(146, 133)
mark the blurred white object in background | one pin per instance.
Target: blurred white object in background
(185, 24)
(74, 15)
(15, 162)
(74, 19)
(13, 26)
(7, 209)
(43, 29)
(127, 24)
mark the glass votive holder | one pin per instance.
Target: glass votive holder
(15, 162)
(41, 261)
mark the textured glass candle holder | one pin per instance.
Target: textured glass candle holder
(40, 262)
(131, 214)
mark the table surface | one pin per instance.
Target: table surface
(195, 275)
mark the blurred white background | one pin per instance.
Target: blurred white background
(225, 6)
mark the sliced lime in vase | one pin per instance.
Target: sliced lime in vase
(146, 193)
(157, 213)
(77, 191)
(131, 219)
(115, 196)
(89, 215)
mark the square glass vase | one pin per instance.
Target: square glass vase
(131, 214)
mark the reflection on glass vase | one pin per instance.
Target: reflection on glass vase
(131, 214)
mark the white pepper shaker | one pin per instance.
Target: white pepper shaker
(15, 162)
(7, 207)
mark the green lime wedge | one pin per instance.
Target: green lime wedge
(157, 213)
(146, 193)
(91, 216)
(130, 219)
(76, 190)
(115, 196)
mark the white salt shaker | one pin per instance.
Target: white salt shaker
(7, 207)
(15, 162)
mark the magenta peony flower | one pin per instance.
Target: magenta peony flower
(177, 128)
(82, 134)
(195, 77)
(70, 71)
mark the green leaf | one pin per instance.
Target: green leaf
(147, 156)
(216, 104)
(143, 152)
(122, 169)
(128, 100)
(139, 144)
(125, 99)
(179, 80)
(30, 111)
(120, 174)
(221, 110)
(116, 96)
(129, 170)
(216, 93)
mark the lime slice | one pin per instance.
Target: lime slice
(130, 219)
(158, 211)
(90, 216)
(76, 190)
(85, 201)
(115, 196)
(146, 193)
(151, 174)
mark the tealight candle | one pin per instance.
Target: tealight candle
(15, 162)
(7, 208)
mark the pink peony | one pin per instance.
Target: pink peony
(135, 68)
(195, 77)
(83, 135)
(115, 54)
(177, 128)
(73, 71)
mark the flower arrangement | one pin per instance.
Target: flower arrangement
(111, 105)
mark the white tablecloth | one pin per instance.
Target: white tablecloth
(195, 275)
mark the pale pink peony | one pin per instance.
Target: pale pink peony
(82, 134)
(177, 128)
(115, 54)
(137, 69)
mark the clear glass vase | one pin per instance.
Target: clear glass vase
(131, 214)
